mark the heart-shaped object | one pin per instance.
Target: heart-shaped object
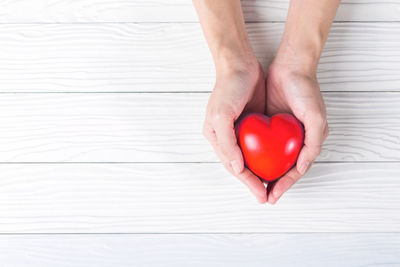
(270, 145)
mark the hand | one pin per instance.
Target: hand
(237, 90)
(293, 90)
(242, 88)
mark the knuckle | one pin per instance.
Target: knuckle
(320, 118)
(225, 150)
(315, 151)
(219, 117)
(317, 115)
(226, 165)
(222, 114)
(208, 133)
(292, 179)
(205, 129)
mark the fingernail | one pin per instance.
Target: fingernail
(261, 201)
(272, 201)
(235, 166)
(304, 167)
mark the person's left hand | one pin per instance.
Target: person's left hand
(292, 90)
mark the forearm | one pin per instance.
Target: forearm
(224, 29)
(306, 30)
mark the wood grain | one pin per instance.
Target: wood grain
(193, 198)
(124, 127)
(51, 11)
(201, 250)
(174, 57)
(118, 163)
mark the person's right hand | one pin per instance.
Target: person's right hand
(238, 89)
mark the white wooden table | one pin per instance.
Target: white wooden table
(102, 161)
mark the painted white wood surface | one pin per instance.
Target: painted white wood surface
(140, 46)
(201, 250)
(142, 127)
(26, 11)
(193, 198)
(174, 57)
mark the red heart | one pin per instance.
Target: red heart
(270, 146)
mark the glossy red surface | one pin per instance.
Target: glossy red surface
(270, 146)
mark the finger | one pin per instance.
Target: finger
(326, 131)
(253, 183)
(270, 187)
(209, 132)
(226, 139)
(282, 185)
(315, 135)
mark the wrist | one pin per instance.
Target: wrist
(229, 62)
(294, 63)
(299, 58)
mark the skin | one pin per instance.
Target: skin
(290, 86)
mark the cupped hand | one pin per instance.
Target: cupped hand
(237, 90)
(292, 90)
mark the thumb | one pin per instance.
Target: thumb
(314, 137)
(226, 139)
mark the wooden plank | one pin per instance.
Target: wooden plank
(26, 11)
(201, 250)
(362, 127)
(174, 57)
(193, 198)
(123, 127)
